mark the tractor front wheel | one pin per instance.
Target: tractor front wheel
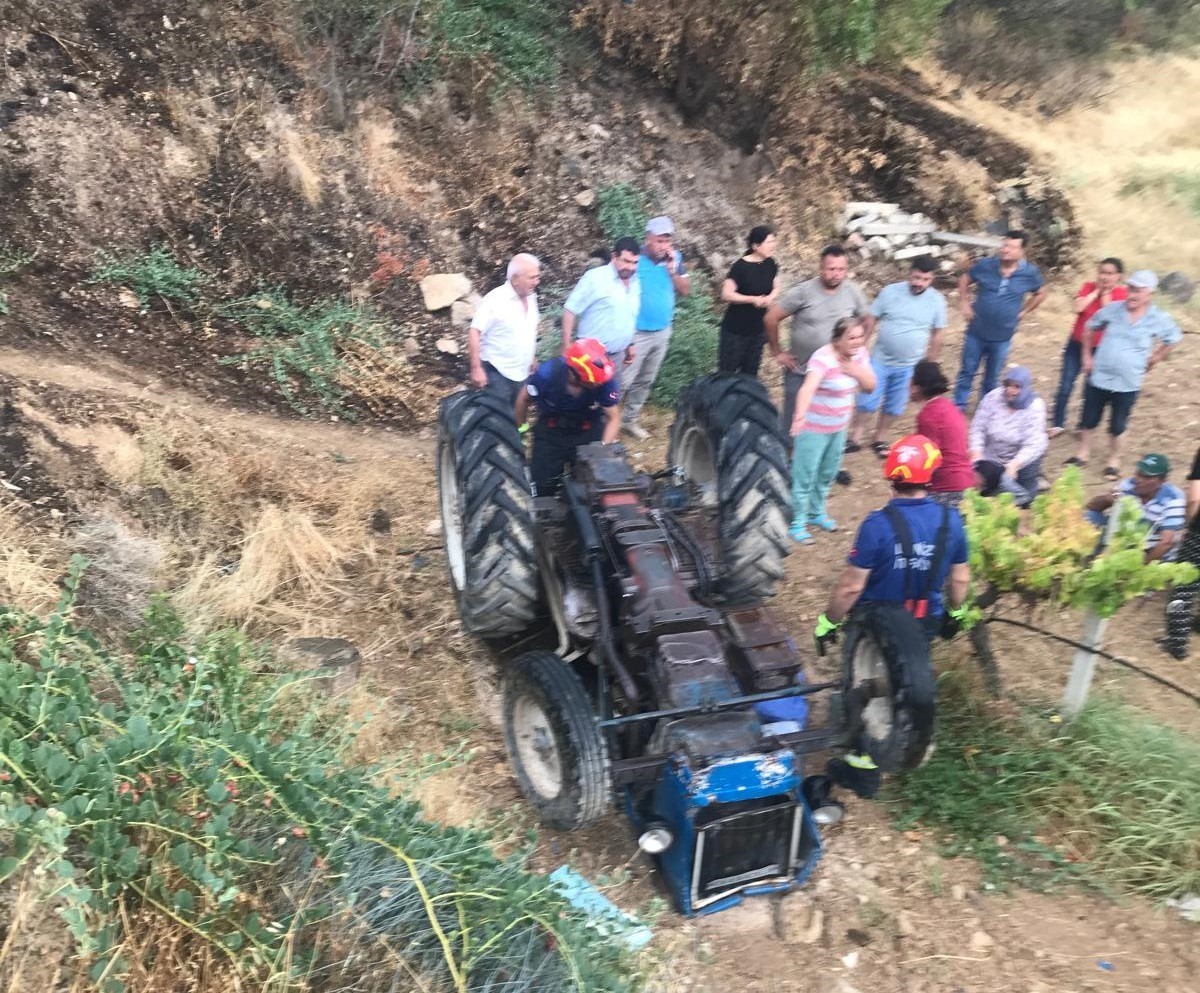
(886, 648)
(556, 750)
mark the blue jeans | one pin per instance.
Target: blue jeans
(1072, 365)
(816, 459)
(976, 350)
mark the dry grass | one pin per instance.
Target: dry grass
(1149, 122)
(30, 561)
(286, 564)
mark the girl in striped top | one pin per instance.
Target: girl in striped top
(824, 406)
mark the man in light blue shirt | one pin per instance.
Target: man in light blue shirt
(1134, 336)
(661, 278)
(911, 321)
(604, 304)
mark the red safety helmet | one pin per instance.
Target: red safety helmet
(912, 460)
(590, 362)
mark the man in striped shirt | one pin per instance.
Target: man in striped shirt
(1163, 506)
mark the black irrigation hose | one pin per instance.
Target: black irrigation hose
(1194, 697)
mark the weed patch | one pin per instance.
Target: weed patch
(175, 818)
(1183, 187)
(1107, 798)
(623, 210)
(303, 347)
(12, 260)
(151, 274)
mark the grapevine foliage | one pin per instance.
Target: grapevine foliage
(1054, 556)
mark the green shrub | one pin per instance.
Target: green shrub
(150, 274)
(162, 799)
(1107, 798)
(859, 31)
(693, 350)
(622, 210)
(303, 346)
(486, 44)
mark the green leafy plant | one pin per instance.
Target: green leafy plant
(151, 274)
(622, 210)
(1184, 187)
(161, 800)
(859, 31)
(1107, 798)
(693, 347)
(302, 346)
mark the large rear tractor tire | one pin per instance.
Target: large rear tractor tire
(487, 525)
(556, 750)
(727, 441)
(884, 644)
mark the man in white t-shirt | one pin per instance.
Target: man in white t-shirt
(503, 334)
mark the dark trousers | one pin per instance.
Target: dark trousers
(1181, 602)
(740, 352)
(1120, 405)
(498, 383)
(1072, 365)
(554, 451)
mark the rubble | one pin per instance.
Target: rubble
(883, 230)
(441, 289)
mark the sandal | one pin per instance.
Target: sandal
(1054, 432)
(881, 448)
(843, 478)
(851, 447)
(1111, 472)
(824, 522)
(1075, 460)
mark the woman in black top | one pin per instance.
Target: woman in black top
(749, 289)
(1181, 603)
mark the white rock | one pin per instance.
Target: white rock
(586, 198)
(443, 288)
(411, 346)
(461, 312)
(434, 527)
(447, 346)
(981, 941)
(128, 298)
(850, 960)
(600, 132)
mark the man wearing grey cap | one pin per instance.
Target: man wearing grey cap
(1137, 336)
(662, 278)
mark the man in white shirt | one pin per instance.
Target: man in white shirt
(503, 335)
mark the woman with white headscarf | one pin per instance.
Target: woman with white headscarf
(1009, 427)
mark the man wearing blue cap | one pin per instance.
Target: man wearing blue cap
(662, 278)
(1137, 336)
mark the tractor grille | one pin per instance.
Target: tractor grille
(746, 847)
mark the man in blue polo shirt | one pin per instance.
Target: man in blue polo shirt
(661, 278)
(992, 298)
(604, 304)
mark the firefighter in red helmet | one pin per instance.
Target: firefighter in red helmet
(912, 552)
(576, 396)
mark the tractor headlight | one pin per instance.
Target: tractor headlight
(831, 813)
(656, 839)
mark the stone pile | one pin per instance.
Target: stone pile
(884, 231)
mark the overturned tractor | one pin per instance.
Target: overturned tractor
(639, 661)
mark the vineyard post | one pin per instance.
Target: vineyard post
(1084, 663)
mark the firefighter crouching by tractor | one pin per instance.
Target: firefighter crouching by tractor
(576, 396)
(902, 554)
